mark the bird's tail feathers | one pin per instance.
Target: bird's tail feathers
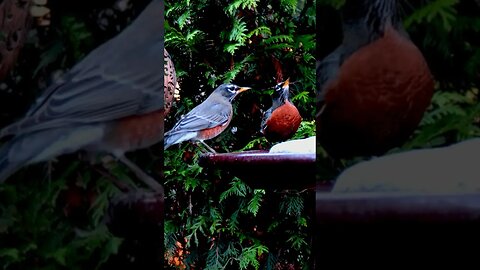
(43, 146)
(174, 138)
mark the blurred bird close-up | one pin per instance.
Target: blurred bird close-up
(111, 102)
(397, 124)
(374, 87)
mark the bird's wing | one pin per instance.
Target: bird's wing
(266, 115)
(120, 78)
(327, 70)
(202, 117)
(329, 67)
(101, 92)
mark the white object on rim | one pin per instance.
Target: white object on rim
(451, 169)
(301, 146)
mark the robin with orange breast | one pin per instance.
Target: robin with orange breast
(110, 102)
(207, 120)
(375, 87)
(282, 120)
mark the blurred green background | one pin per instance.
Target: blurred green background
(446, 32)
(52, 215)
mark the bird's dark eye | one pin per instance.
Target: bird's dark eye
(231, 89)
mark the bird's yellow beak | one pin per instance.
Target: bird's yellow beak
(285, 84)
(243, 89)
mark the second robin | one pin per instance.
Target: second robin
(207, 120)
(282, 120)
(375, 87)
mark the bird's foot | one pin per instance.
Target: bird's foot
(210, 149)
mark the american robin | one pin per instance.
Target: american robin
(282, 120)
(375, 87)
(207, 120)
(110, 102)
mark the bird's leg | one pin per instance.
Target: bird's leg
(208, 147)
(197, 143)
(149, 181)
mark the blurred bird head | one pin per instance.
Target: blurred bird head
(229, 91)
(374, 14)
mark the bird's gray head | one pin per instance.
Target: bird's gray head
(374, 14)
(230, 91)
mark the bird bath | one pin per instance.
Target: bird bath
(392, 207)
(261, 169)
(394, 226)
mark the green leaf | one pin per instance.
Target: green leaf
(237, 188)
(254, 203)
(292, 205)
(50, 56)
(10, 253)
(249, 256)
(59, 256)
(297, 241)
(240, 4)
(444, 9)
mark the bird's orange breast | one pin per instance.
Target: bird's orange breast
(378, 98)
(210, 133)
(135, 132)
(283, 123)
